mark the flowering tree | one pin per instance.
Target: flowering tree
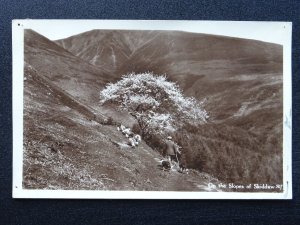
(158, 104)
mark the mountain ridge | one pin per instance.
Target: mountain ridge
(183, 40)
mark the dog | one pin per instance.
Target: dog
(165, 165)
(182, 168)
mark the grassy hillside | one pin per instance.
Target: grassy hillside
(64, 148)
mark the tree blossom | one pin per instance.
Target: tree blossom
(158, 104)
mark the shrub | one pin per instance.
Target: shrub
(156, 142)
(136, 129)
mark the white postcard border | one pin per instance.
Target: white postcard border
(274, 32)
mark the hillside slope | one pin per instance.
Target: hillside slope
(65, 149)
(77, 77)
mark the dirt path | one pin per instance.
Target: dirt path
(191, 181)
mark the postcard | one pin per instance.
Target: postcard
(151, 109)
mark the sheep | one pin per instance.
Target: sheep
(133, 139)
(121, 128)
(138, 138)
(132, 142)
(127, 132)
(124, 130)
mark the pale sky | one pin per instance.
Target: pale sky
(274, 32)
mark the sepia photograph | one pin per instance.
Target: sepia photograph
(151, 109)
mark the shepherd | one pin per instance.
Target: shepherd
(171, 150)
